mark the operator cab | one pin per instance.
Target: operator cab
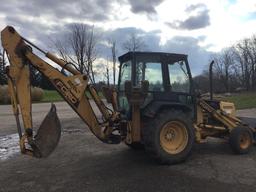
(168, 74)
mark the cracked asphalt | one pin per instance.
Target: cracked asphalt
(82, 163)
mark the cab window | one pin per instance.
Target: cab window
(152, 72)
(179, 79)
(125, 74)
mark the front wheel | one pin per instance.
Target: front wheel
(169, 137)
(241, 140)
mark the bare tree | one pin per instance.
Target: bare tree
(79, 47)
(235, 67)
(134, 43)
(107, 74)
(62, 49)
(112, 44)
(245, 55)
(223, 63)
(201, 82)
(91, 52)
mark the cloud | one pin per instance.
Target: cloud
(199, 18)
(151, 39)
(93, 10)
(39, 21)
(198, 56)
(144, 6)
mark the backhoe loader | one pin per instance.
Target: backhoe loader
(154, 106)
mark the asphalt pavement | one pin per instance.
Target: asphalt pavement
(82, 163)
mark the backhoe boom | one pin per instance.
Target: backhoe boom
(72, 88)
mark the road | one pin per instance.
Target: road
(82, 163)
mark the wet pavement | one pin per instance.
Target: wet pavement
(9, 146)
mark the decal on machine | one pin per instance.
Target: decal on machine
(66, 92)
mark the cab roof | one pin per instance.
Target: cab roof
(152, 56)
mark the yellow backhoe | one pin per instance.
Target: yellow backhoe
(154, 106)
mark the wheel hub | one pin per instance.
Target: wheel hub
(244, 141)
(174, 137)
(170, 135)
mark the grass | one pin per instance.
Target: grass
(243, 100)
(50, 96)
(53, 96)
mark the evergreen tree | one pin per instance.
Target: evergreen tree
(35, 76)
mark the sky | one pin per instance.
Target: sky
(197, 28)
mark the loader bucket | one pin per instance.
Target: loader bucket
(48, 135)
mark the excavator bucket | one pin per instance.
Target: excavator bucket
(48, 135)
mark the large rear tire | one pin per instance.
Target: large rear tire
(169, 137)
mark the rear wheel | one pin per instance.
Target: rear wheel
(169, 137)
(240, 140)
(173, 137)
